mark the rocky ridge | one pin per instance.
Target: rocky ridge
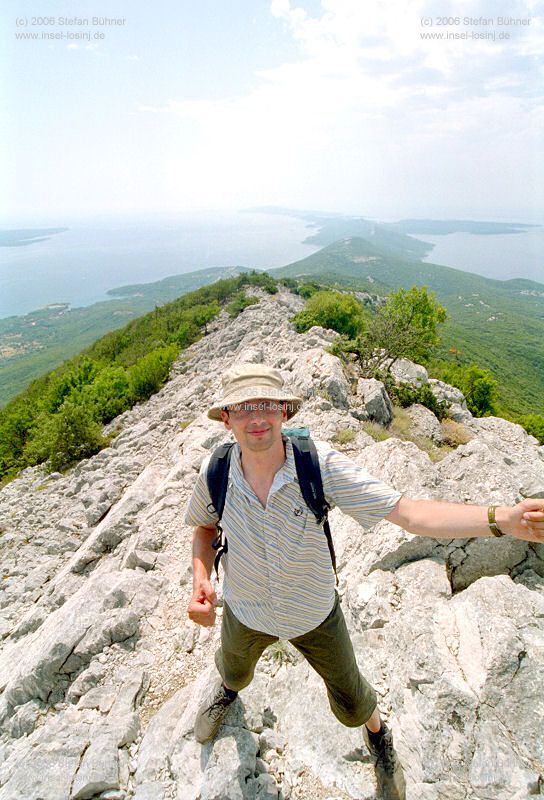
(101, 672)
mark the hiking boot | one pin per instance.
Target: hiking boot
(389, 774)
(212, 710)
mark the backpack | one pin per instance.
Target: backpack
(309, 477)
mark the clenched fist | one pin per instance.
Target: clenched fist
(201, 608)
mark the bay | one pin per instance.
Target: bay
(500, 256)
(80, 265)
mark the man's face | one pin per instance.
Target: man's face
(256, 424)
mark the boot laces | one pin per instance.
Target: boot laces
(218, 706)
(385, 755)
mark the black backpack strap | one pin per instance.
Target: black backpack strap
(311, 486)
(217, 478)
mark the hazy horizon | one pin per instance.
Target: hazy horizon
(371, 109)
(29, 220)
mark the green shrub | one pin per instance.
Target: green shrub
(204, 313)
(263, 280)
(534, 425)
(240, 301)
(341, 312)
(186, 334)
(16, 423)
(306, 290)
(63, 383)
(65, 437)
(109, 394)
(148, 375)
(406, 396)
(191, 321)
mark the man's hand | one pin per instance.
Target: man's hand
(201, 608)
(525, 520)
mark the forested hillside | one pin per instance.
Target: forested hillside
(497, 324)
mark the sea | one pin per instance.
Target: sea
(500, 256)
(80, 265)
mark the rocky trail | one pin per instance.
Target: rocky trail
(101, 672)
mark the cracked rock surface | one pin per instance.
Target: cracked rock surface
(101, 673)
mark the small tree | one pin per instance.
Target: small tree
(405, 327)
(480, 390)
(16, 422)
(477, 384)
(341, 312)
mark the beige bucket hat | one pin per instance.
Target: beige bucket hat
(251, 382)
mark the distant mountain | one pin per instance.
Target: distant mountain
(442, 226)
(337, 226)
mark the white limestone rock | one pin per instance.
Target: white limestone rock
(319, 373)
(405, 371)
(93, 617)
(424, 423)
(24, 720)
(376, 402)
(99, 769)
(446, 393)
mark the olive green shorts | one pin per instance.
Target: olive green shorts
(327, 648)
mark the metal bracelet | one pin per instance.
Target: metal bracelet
(494, 528)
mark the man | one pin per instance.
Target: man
(278, 580)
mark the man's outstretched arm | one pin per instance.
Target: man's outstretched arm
(441, 520)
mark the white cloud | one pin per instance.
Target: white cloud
(369, 116)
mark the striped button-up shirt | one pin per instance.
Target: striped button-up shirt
(278, 575)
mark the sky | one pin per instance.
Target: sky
(347, 106)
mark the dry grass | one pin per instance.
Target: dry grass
(402, 424)
(454, 433)
(378, 432)
(435, 452)
(344, 436)
(185, 423)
